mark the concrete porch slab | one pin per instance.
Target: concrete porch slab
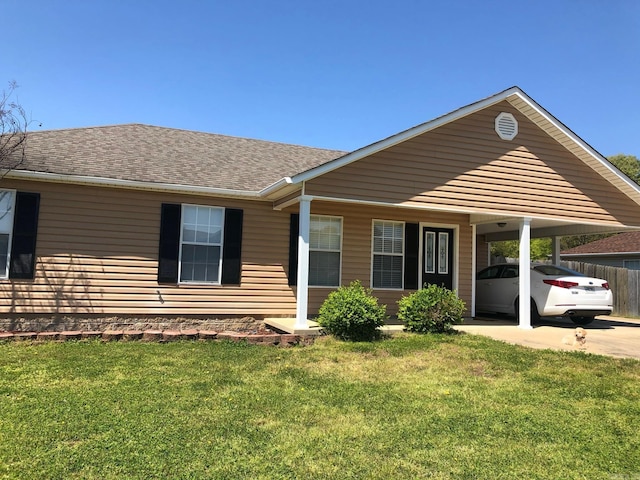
(287, 325)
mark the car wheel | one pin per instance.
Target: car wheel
(582, 321)
(535, 316)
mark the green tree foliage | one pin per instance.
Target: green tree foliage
(627, 164)
(540, 248)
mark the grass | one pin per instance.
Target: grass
(411, 407)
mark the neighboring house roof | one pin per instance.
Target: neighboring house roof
(144, 153)
(628, 242)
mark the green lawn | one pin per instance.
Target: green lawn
(411, 407)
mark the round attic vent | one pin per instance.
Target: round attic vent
(506, 126)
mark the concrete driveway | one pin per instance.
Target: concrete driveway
(613, 336)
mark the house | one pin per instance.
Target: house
(621, 250)
(143, 222)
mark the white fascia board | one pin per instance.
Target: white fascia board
(130, 184)
(402, 136)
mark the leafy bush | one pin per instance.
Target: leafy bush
(433, 309)
(352, 313)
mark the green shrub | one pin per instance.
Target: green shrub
(433, 309)
(352, 313)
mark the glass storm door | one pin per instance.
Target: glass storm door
(437, 256)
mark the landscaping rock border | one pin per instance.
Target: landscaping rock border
(162, 336)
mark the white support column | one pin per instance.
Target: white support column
(474, 259)
(302, 300)
(555, 250)
(524, 313)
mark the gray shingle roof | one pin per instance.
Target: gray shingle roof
(621, 243)
(152, 154)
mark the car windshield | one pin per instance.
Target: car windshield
(556, 270)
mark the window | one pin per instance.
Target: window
(430, 252)
(388, 254)
(201, 244)
(632, 264)
(325, 246)
(443, 245)
(489, 273)
(7, 207)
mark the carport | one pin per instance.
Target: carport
(548, 198)
(524, 229)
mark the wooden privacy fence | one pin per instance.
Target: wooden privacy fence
(624, 283)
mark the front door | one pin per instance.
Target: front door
(437, 256)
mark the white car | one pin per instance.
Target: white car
(555, 292)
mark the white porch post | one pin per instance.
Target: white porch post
(474, 260)
(555, 250)
(302, 301)
(524, 313)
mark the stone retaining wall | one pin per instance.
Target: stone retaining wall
(40, 323)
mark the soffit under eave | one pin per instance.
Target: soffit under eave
(601, 166)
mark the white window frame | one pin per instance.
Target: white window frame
(392, 254)
(6, 228)
(338, 251)
(184, 206)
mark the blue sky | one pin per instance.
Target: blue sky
(335, 74)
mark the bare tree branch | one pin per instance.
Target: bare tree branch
(13, 130)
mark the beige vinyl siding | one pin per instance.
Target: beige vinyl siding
(356, 247)
(546, 125)
(464, 166)
(482, 253)
(97, 253)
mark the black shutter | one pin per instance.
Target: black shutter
(232, 247)
(294, 229)
(25, 230)
(169, 243)
(411, 261)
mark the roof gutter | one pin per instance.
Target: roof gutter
(274, 187)
(129, 184)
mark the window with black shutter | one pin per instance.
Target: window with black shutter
(200, 244)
